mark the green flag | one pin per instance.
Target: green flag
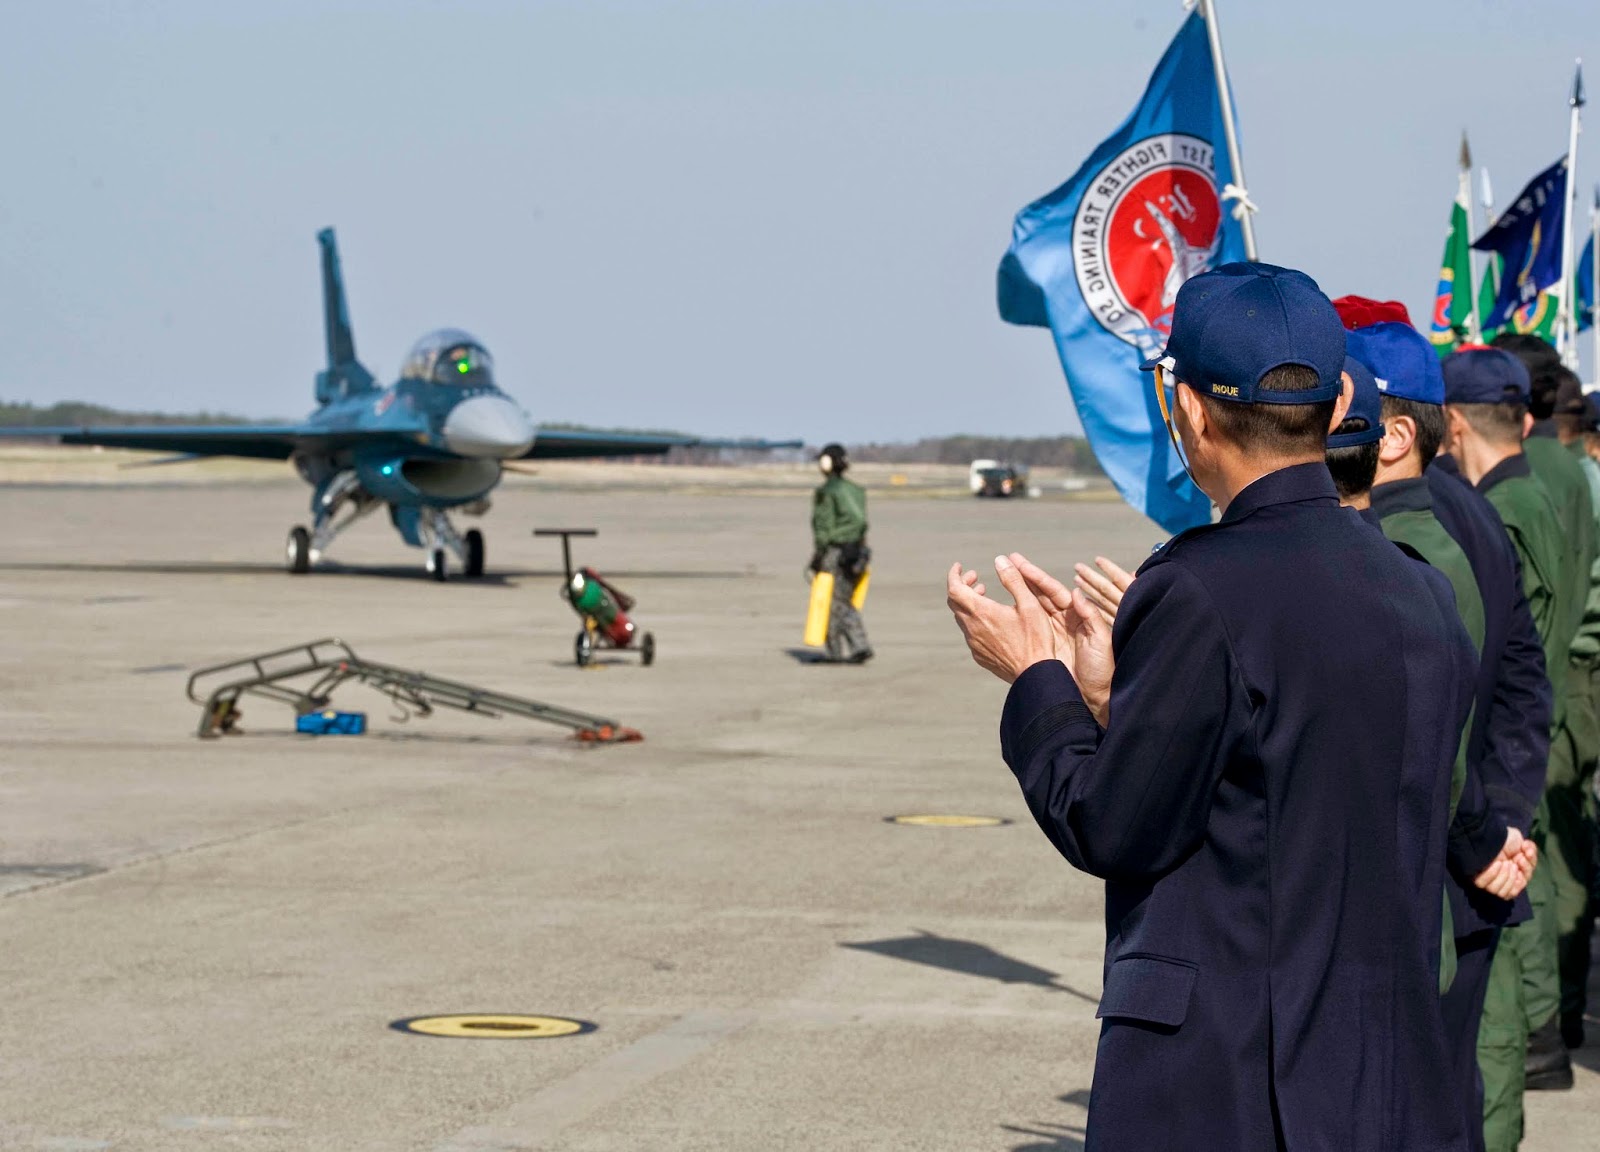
(1453, 320)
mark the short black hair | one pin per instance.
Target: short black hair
(1542, 361)
(1496, 423)
(1429, 419)
(1276, 428)
(1354, 467)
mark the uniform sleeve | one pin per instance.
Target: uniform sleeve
(1517, 744)
(1478, 830)
(1133, 799)
(821, 518)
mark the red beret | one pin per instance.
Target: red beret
(1359, 311)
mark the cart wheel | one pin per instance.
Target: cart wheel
(647, 649)
(584, 648)
(474, 568)
(297, 551)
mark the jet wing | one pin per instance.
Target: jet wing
(569, 444)
(261, 441)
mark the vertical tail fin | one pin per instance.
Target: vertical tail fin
(345, 374)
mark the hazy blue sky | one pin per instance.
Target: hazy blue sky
(728, 216)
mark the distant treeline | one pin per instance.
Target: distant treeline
(73, 413)
(1067, 452)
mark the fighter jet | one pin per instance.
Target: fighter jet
(434, 442)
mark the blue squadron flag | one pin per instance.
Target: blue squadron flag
(1527, 238)
(1099, 262)
(1586, 301)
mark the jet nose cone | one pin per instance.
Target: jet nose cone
(488, 426)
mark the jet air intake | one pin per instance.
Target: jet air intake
(442, 483)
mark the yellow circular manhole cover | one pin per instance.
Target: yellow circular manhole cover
(933, 820)
(493, 1026)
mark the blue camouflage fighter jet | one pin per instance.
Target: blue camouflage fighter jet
(432, 443)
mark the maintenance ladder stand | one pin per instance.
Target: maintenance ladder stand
(333, 663)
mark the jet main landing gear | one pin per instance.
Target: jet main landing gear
(439, 536)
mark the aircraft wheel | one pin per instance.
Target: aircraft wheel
(647, 649)
(583, 648)
(297, 551)
(436, 564)
(474, 553)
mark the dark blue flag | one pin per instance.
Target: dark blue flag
(1527, 237)
(1100, 259)
(1586, 288)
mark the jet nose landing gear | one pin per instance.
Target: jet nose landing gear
(297, 551)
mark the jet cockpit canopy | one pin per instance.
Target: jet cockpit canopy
(449, 356)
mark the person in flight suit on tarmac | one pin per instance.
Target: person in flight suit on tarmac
(1241, 759)
(839, 533)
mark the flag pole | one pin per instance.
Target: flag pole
(1475, 329)
(1490, 260)
(1243, 210)
(1567, 323)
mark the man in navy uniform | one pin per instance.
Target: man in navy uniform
(1256, 759)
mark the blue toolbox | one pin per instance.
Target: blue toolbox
(331, 723)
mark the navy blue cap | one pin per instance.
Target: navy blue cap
(1366, 403)
(1234, 324)
(1485, 376)
(1591, 402)
(1402, 361)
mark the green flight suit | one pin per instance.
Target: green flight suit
(1565, 845)
(1413, 524)
(1570, 798)
(1524, 988)
(838, 512)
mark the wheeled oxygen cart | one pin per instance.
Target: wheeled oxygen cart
(601, 605)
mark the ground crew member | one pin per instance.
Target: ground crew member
(1570, 796)
(1242, 761)
(839, 532)
(1486, 397)
(1377, 460)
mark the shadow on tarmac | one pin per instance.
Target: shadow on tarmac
(969, 958)
(1053, 1137)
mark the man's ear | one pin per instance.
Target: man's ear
(1193, 410)
(1399, 437)
(1341, 406)
(1527, 425)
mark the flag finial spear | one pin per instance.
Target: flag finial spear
(1577, 100)
(1466, 152)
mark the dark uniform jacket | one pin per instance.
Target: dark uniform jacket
(1267, 807)
(1510, 735)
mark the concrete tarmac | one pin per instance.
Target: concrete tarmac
(205, 942)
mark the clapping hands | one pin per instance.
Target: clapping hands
(1103, 588)
(1047, 620)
